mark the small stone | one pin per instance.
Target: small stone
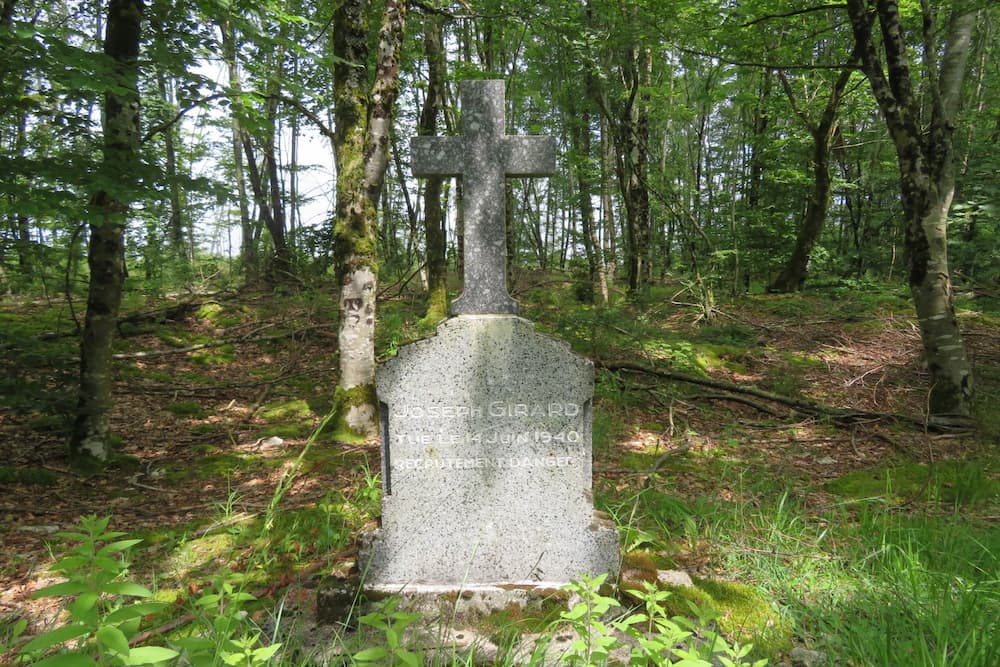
(803, 657)
(273, 441)
(826, 460)
(41, 530)
(678, 578)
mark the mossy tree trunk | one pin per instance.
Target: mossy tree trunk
(92, 430)
(363, 114)
(921, 122)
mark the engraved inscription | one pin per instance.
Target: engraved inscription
(513, 434)
(456, 463)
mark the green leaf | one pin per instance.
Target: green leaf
(233, 658)
(127, 588)
(374, 620)
(83, 604)
(69, 564)
(371, 654)
(408, 657)
(66, 660)
(208, 600)
(55, 637)
(65, 588)
(116, 547)
(114, 639)
(109, 565)
(72, 536)
(136, 610)
(265, 653)
(145, 655)
(195, 644)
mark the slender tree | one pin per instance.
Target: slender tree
(434, 232)
(363, 118)
(793, 275)
(921, 117)
(110, 206)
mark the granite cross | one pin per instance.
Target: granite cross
(482, 156)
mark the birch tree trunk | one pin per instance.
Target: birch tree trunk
(922, 134)
(92, 428)
(363, 118)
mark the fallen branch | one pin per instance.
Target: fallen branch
(146, 354)
(735, 399)
(844, 415)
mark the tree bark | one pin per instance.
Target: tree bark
(248, 247)
(364, 114)
(927, 182)
(793, 276)
(633, 167)
(434, 232)
(91, 435)
(175, 222)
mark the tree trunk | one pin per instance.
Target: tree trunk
(633, 163)
(282, 266)
(92, 429)
(248, 247)
(361, 147)
(434, 232)
(793, 277)
(925, 155)
(175, 223)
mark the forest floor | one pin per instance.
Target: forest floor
(216, 396)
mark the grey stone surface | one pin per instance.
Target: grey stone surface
(482, 156)
(487, 456)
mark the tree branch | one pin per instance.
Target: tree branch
(798, 404)
(794, 12)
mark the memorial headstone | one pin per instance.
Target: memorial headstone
(486, 427)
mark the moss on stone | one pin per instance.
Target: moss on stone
(286, 410)
(959, 482)
(186, 409)
(209, 311)
(742, 613)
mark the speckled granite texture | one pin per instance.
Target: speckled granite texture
(487, 456)
(483, 155)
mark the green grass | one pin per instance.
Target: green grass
(860, 582)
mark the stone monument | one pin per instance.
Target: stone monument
(486, 427)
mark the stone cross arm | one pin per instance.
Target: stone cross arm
(446, 156)
(483, 156)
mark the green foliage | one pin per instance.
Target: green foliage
(653, 637)
(29, 476)
(391, 622)
(223, 633)
(99, 620)
(186, 409)
(958, 483)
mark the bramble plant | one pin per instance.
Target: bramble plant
(99, 622)
(656, 638)
(223, 622)
(595, 638)
(392, 622)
